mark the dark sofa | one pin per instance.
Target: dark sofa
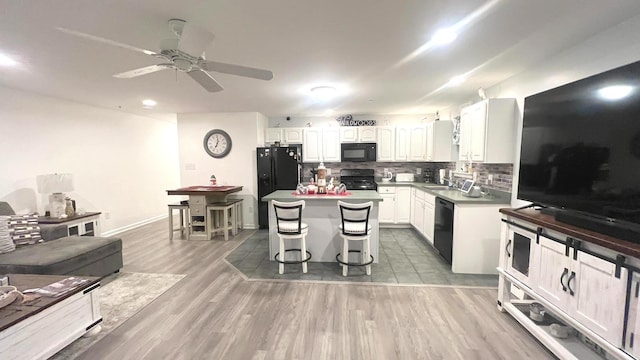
(63, 255)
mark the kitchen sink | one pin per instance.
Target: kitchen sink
(436, 187)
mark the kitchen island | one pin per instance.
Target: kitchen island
(322, 215)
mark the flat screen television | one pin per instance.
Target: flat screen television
(581, 151)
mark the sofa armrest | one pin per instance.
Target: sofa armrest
(52, 231)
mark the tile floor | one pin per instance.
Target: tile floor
(405, 258)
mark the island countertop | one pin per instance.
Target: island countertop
(354, 195)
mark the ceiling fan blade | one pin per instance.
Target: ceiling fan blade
(236, 70)
(141, 71)
(194, 40)
(205, 80)
(105, 41)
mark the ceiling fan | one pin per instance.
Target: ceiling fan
(184, 53)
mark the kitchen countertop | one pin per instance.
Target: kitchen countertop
(358, 195)
(454, 195)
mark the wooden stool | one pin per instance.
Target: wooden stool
(222, 218)
(184, 219)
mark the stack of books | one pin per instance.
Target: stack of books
(6, 242)
(24, 229)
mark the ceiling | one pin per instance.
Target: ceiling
(367, 49)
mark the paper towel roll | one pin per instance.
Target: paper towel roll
(442, 175)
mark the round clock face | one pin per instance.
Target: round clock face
(217, 143)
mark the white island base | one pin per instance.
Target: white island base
(322, 215)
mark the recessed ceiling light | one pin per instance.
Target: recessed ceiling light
(148, 103)
(444, 36)
(456, 80)
(7, 61)
(615, 92)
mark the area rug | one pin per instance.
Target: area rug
(122, 296)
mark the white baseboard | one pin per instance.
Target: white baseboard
(133, 226)
(150, 220)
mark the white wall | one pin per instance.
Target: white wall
(122, 164)
(612, 48)
(246, 130)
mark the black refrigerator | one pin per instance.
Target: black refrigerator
(279, 168)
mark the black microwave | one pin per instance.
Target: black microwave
(358, 152)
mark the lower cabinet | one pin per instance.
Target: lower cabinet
(582, 284)
(395, 207)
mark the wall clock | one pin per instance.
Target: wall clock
(217, 143)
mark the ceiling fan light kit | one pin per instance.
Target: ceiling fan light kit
(185, 54)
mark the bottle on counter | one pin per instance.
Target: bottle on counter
(322, 181)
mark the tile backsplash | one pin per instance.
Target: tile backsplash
(502, 173)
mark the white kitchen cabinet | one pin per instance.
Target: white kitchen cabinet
(358, 134)
(273, 135)
(386, 143)
(402, 204)
(330, 144)
(412, 204)
(292, 135)
(348, 134)
(397, 209)
(403, 136)
(387, 208)
(367, 134)
(428, 222)
(440, 142)
(418, 209)
(488, 131)
(417, 143)
(312, 145)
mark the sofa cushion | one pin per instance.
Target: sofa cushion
(60, 257)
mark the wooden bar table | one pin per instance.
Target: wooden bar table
(199, 197)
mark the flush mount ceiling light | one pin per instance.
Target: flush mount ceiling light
(615, 92)
(7, 61)
(323, 92)
(444, 36)
(148, 103)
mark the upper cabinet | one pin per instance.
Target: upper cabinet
(321, 144)
(361, 134)
(488, 131)
(411, 143)
(292, 135)
(330, 144)
(273, 135)
(283, 136)
(386, 143)
(440, 142)
(312, 145)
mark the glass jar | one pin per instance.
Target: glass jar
(69, 208)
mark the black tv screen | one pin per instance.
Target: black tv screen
(581, 146)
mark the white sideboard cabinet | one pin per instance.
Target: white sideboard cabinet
(586, 280)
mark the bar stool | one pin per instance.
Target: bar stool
(290, 226)
(184, 219)
(222, 218)
(355, 227)
(239, 217)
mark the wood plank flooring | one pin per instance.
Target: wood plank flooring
(214, 313)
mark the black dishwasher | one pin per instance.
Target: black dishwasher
(443, 229)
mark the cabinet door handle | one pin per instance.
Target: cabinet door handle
(506, 248)
(564, 273)
(571, 277)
